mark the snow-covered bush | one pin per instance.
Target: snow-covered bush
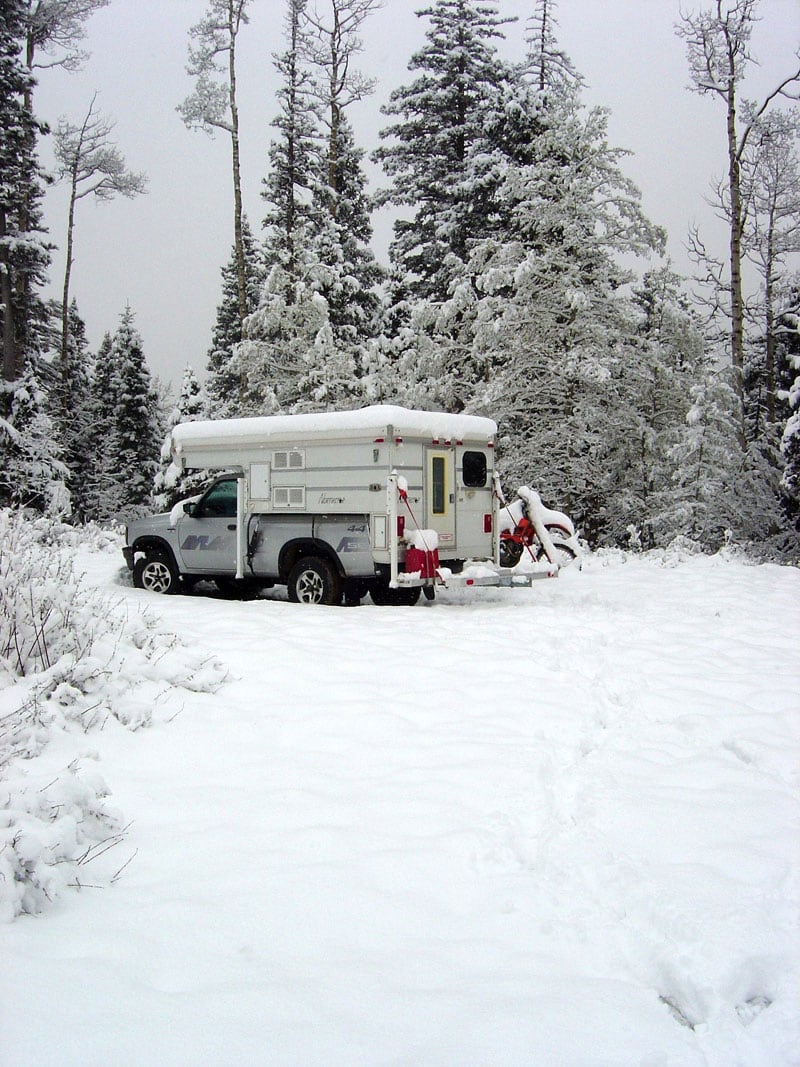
(71, 658)
(45, 614)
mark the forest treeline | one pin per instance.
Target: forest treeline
(646, 407)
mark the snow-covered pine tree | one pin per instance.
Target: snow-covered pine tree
(24, 254)
(287, 188)
(550, 68)
(280, 335)
(304, 346)
(282, 325)
(102, 404)
(440, 122)
(536, 330)
(125, 435)
(224, 387)
(171, 485)
(71, 406)
(708, 463)
(350, 274)
(790, 441)
(341, 267)
(32, 474)
(661, 364)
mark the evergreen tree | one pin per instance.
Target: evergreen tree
(102, 405)
(125, 431)
(549, 67)
(135, 434)
(305, 345)
(661, 365)
(440, 131)
(24, 255)
(70, 400)
(280, 338)
(536, 330)
(32, 473)
(349, 274)
(790, 441)
(224, 387)
(722, 493)
(340, 265)
(708, 462)
(287, 189)
(172, 485)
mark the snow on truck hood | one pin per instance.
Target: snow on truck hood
(378, 419)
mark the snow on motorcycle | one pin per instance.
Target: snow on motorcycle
(531, 531)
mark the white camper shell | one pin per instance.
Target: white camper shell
(390, 499)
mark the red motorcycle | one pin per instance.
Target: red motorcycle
(528, 529)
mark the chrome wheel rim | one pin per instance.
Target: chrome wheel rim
(310, 587)
(156, 577)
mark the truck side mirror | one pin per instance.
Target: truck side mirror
(189, 508)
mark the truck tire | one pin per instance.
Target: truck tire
(156, 572)
(238, 588)
(314, 581)
(382, 595)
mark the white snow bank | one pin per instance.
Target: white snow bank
(72, 660)
(551, 826)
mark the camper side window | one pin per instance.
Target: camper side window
(474, 470)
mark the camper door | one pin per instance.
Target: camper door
(441, 494)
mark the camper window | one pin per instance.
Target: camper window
(474, 470)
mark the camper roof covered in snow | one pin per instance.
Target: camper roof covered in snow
(379, 421)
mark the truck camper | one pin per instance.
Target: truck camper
(383, 500)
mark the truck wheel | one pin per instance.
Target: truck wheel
(238, 588)
(382, 595)
(314, 581)
(156, 572)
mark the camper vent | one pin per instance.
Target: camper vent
(289, 461)
(289, 496)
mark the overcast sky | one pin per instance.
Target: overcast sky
(162, 252)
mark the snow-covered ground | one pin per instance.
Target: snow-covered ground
(541, 828)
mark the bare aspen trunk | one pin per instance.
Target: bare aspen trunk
(769, 324)
(241, 283)
(68, 271)
(336, 118)
(737, 297)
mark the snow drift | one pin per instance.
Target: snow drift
(552, 826)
